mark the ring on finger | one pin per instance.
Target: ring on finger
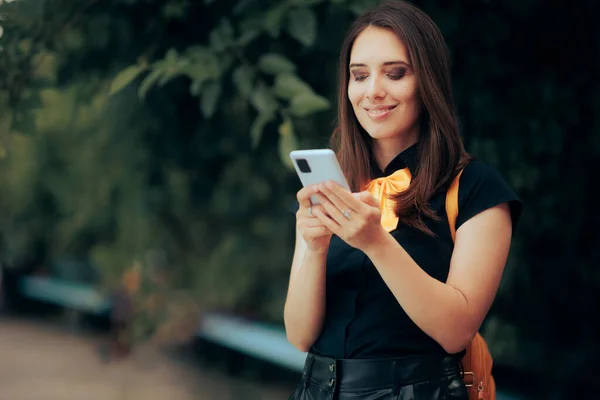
(310, 211)
(346, 214)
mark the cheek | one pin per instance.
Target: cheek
(405, 91)
(355, 94)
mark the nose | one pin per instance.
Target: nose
(375, 89)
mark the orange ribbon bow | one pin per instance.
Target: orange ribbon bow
(382, 188)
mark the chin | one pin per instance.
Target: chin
(379, 133)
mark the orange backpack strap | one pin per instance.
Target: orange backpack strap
(477, 361)
(452, 204)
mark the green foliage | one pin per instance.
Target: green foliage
(302, 25)
(125, 77)
(268, 81)
(89, 194)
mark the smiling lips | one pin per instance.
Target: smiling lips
(379, 111)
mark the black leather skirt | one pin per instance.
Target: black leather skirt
(407, 378)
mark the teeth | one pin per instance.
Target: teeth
(381, 111)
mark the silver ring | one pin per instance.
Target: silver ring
(310, 211)
(346, 214)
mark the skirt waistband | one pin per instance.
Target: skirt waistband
(343, 374)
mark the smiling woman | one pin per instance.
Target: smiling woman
(380, 295)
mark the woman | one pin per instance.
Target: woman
(380, 296)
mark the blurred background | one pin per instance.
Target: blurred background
(146, 214)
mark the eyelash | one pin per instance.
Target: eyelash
(394, 77)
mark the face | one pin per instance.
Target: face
(383, 88)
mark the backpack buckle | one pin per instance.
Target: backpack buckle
(472, 379)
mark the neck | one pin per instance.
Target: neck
(385, 150)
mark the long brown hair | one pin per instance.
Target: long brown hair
(440, 148)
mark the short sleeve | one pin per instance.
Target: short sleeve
(481, 187)
(293, 208)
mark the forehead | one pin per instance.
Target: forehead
(374, 46)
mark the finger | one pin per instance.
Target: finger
(339, 203)
(304, 194)
(368, 198)
(308, 212)
(311, 222)
(332, 209)
(319, 207)
(316, 232)
(344, 195)
(328, 222)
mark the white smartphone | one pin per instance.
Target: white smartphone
(316, 166)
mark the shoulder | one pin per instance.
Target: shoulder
(478, 172)
(482, 186)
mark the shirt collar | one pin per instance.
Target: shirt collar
(406, 159)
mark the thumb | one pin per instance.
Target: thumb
(368, 198)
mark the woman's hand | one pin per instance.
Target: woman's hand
(316, 235)
(355, 218)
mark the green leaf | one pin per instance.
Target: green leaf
(258, 126)
(125, 77)
(47, 65)
(274, 20)
(168, 75)
(222, 36)
(288, 86)
(243, 79)
(148, 81)
(287, 142)
(196, 87)
(251, 22)
(263, 101)
(175, 10)
(202, 64)
(306, 104)
(272, 63)
(247, 37)
(171, 57)
(210, 98)
(302, 25)
(73, 39)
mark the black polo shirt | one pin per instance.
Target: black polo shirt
(363, 319)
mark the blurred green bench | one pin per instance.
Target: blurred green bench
(66, 294)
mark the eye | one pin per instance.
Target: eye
(396, 74)
(359, 75)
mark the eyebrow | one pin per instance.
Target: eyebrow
(387, 63)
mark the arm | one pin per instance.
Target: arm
(452, 312)
(305, 304)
